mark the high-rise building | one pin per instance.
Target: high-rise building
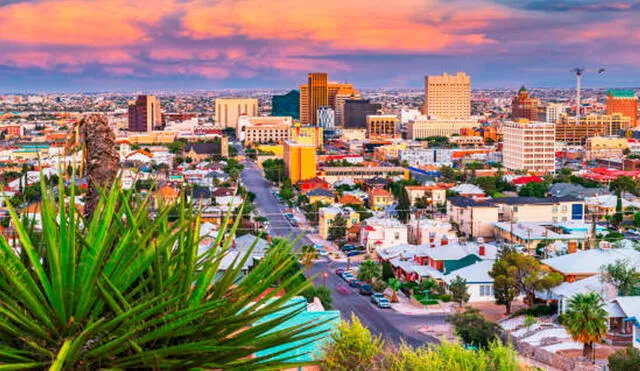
(144, 114)
(318, 95)
(524, 107)
(228, 110)
(299, 161)
(529, 145)
(382, 126)
(624, 102)
(326, 117)
(336, 93)
(447, 96)
(356, 112)
(286, 105)
(554, 111)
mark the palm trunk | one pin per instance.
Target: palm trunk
(508, 307)
(587, 350)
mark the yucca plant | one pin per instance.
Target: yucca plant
(125, 290)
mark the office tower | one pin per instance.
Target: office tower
(299, 161)
(272, 129)
(326, 117)
(624, 102)
(554, 111)
(311, 98)
(529, 145)
(447, 96)
(340, 100)
(524, 107)
(318, 95)
(286, 105)
(228, 110)
(356, 112)
(382, 126)
(144, 114)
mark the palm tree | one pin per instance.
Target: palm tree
(369, 271)
(586, 320)
(307, 256)
(127, 291)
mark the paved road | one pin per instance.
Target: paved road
(391, 325)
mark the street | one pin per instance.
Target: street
(392, 326)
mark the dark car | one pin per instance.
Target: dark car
(366, 289)
(354, 283)
(354, 253)
(347, 248)
(339, 271)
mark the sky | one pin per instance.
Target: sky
(138, 45)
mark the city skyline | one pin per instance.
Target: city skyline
(115, 45)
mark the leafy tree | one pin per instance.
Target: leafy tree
(323, 293)
(614, 236)
(459, 290)
(514, 273)
(586, 320)
(274, 170)
(473, 329)
(387, 271)
(449, 174)
(539, 189)
(616, 219)
(352, 347)
(286, 191)
(622, 275)
(624, 359)
(636, 219)
(338, 228)
(369, 271)
(122, 290)
(623, 184)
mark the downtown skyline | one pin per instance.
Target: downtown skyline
(115, 45)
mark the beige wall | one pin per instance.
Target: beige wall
(448, 96)
(474, 221)
(229, 109)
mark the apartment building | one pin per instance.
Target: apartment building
(529, 146)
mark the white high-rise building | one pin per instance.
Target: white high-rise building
(326, 117)
(554, 111)
(447, 96)
(529, 145)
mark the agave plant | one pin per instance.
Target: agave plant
(125, 290)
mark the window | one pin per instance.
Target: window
(396, 235)
(486, 290)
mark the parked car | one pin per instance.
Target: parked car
(354, 283)
(323, 252)
(384, 303)
(354, 253)
(376, 296)
(348, 276)
(346, 248)
(366, 289)
(339, 271)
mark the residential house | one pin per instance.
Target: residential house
(379, 199)
(472, 218)
(308, 185)
(586, 263)
(563, 293)
(200, 151)
(479, 282)
(533, 209)
(575, 190)
(329, 213)
(624, 321)
(375, 183)
(380, 233)
(433, 194)
(166, 195)
(468, 190)
(531, 235)
(602, 205)
(348, 199)
(422, 230)
(321, 195)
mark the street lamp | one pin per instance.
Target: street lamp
(324, 278)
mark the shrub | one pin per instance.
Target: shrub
(473, 329)
(624, 359)
(428, 302)
(445, 298)
(536, 311)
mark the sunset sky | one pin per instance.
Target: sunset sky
(96, 45)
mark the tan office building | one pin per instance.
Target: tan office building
(447, 96)
(567, 130)
(529, 145)
(228, 110)
(323, 93)
(424, 127)
(382, 126)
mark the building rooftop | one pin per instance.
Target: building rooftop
(621, 93)
(591, 261)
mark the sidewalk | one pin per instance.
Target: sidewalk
(405, 306)
(331, 247)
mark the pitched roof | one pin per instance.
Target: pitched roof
(590, 261)
(320, 192)
(474, 273)
(168, 191)
(380, 192)
(349, 199)
(201, 148)
(460, 201)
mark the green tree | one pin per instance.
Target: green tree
(539, 189)
(622, 275)
(122, 290)
(352, 347)
(459, 290)
(387, 271)
(308, 254)
(624, 359)
(586, 320)
(323, 293)
(338, 228)
(404, 206)
(369, 271)
(636, 219)
(449, 174)
(623, 184)
(274, 170)
(616, 219)
(287, 192)
(473, 329)
(514, 273)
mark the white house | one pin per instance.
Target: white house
(479, 283)
(381, 233)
